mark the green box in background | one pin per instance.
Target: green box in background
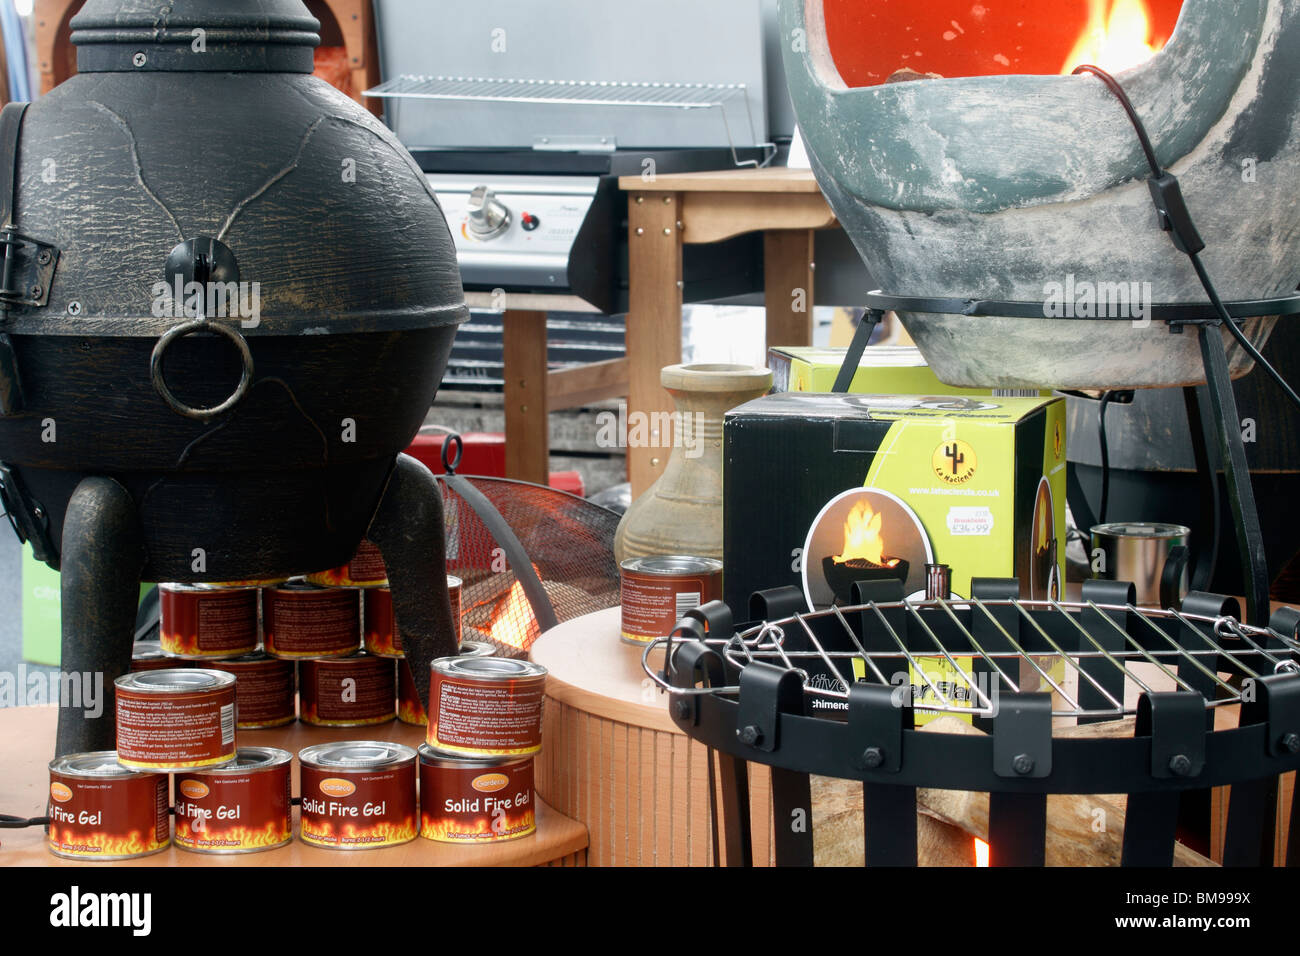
(884, 370)
(41, 618)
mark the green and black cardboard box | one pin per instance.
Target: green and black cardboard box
(821, 490)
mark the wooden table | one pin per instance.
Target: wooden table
(665, 213)
(27, 742)
(613, 759)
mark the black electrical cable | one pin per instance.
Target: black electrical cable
(9, 822)
(1136, 120)
(1105, 455)
(1184, 232)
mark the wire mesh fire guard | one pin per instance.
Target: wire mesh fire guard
(528, 556)
(842, 692)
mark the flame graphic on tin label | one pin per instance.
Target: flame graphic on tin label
(481, 830)
(379, 834)
(67, 840)
(233, 838)
(410, 712)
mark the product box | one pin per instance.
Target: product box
(822, 490)
(883, 370)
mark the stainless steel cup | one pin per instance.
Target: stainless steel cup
(1147, 553)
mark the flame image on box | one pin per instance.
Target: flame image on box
(358, 795)
(863, 535)
(100, 811)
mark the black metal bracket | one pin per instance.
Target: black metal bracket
(1175, 722)
(773, 604)
(26, 516)
(765, 693)
(26, 268)
(26, 265)
(716, 618)
(886, 591)
(1277, 704)
(861, 336)
(1022, 736)
(876, 723)
(989, 632)
(1285, 623)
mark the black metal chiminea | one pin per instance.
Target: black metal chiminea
(228, 298)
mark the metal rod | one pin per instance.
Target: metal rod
(1250, 672)
(1190, 657)
(820, 650)
(912, 661)
(968, 678)
(1013, 684)
(861, 650)
(1178, 681)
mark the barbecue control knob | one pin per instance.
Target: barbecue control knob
(488, 216)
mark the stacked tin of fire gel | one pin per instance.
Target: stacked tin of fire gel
(229, 658)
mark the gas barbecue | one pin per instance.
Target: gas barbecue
(523, 117)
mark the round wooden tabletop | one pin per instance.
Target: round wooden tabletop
(28, 744)
(590, 668)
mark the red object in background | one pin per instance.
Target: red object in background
(331, 65)
(484, 454)
(869, 41)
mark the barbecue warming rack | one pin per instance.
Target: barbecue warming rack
(839, 692)
(546, 92)
(569, 92)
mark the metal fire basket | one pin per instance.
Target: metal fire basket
(835, 693)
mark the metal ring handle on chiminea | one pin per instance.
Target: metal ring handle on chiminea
(189, 328)
(201, 261)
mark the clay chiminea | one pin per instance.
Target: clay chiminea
(1012, 187)
(229, 295)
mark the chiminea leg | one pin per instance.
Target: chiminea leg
(407, 529)
(102, 556)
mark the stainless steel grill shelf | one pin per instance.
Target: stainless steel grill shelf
(1162, 658)
(616, 93)
(568, 92)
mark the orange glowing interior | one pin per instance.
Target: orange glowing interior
(512, 623)
(981, 852)
(863, 540)
(870, 41)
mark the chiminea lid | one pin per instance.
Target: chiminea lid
(259, 36)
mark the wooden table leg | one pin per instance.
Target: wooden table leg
(654, 324)
(788, 286)
(528, 436)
